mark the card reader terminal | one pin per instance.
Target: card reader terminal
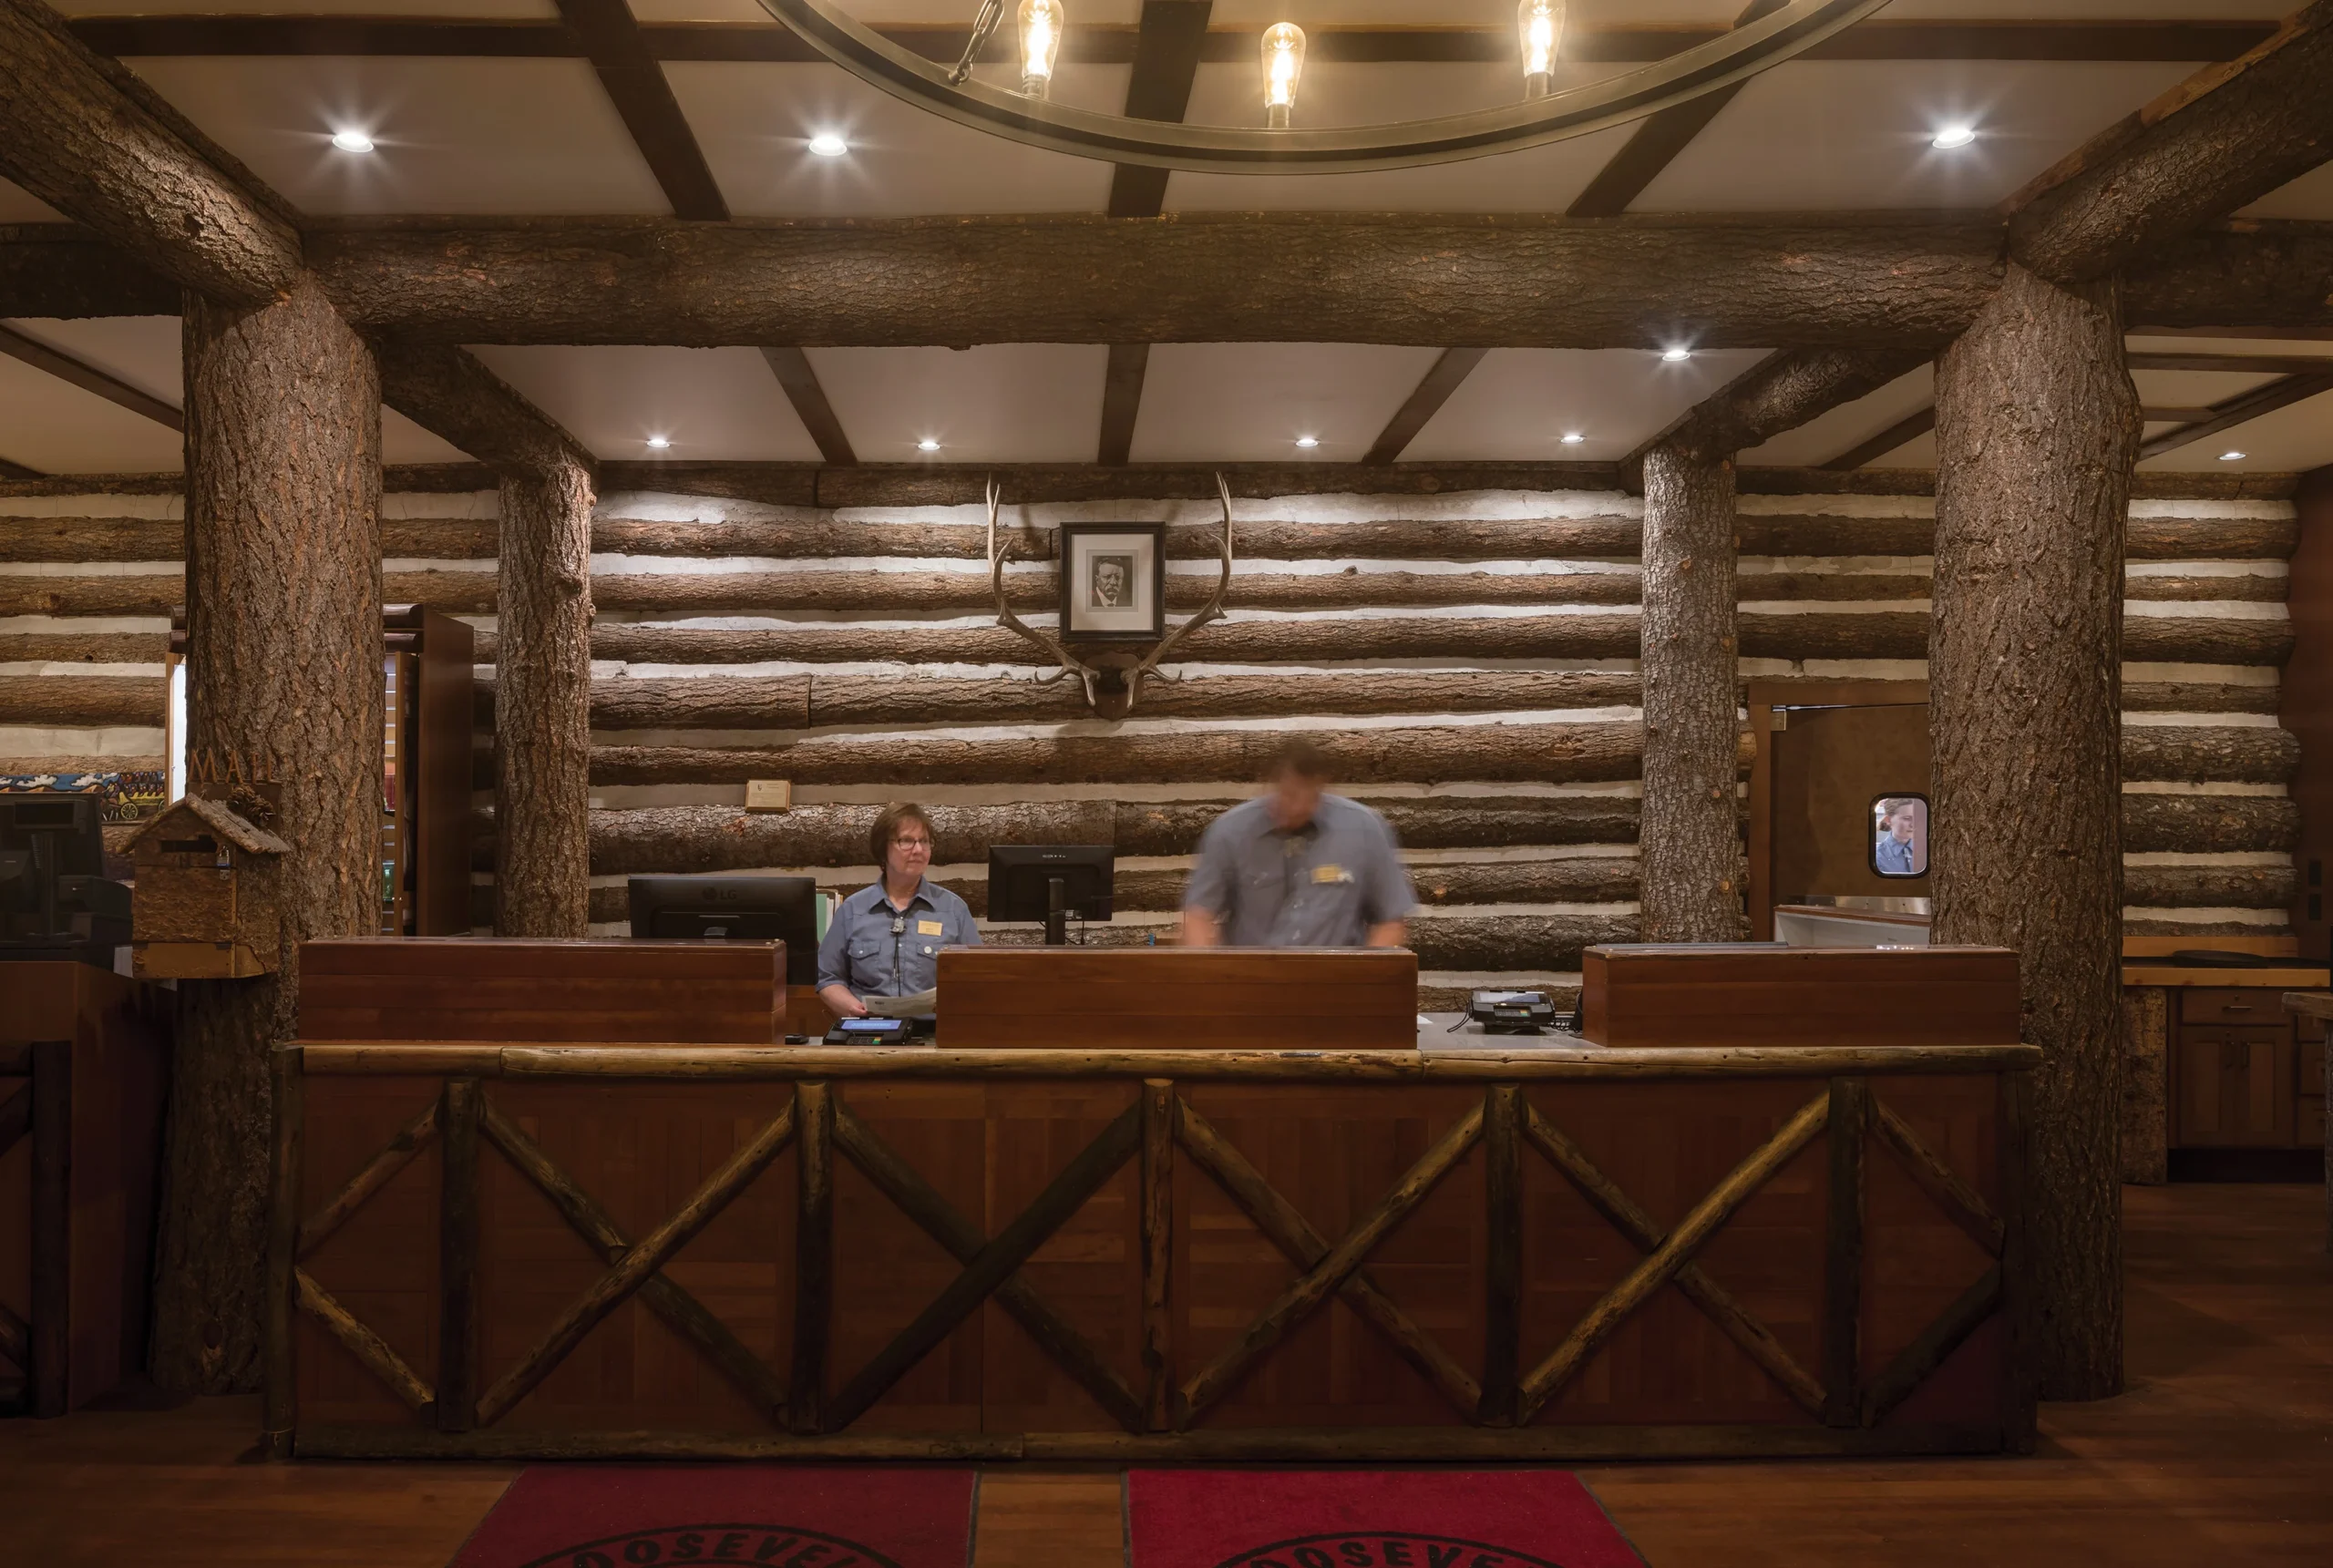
(869, 1031)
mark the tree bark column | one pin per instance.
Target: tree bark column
(2037, 431)
(542, 703)
(1689, 840)
(283, 656)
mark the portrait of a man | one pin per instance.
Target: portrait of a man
(1111, 581)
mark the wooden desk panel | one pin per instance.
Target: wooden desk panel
(480, 987)
(1752, 994)
(1173, 998)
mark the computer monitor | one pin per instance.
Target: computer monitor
(735, 909)
(1023, 878)
(52, 871)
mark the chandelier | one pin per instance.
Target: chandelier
(1279, 146)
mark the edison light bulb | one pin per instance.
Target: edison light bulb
(1283, 63)
(1541, 24)
(1041, 26)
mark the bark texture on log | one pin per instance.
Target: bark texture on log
(2195, 697)
(2267, 273)
(284, 651)
(2208, 823)
(542, 731)
(1504, 281)
(2038, 428)
(2196, 753)
(449, 392)
(2218, 142)
(2208, 886)
(1781, 393)
(62, 270)
(1585, 750)
(1692, 846)
(82, 700)
(83, 647)
(69, 136)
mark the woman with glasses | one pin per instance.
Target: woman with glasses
(885, 940)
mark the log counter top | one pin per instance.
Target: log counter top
(1461, 1248)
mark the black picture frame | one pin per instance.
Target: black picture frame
(1922, 822)
(1099, 559)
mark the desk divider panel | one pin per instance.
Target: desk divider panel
(1157, 998)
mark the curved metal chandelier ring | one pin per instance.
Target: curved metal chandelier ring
(1732, 56)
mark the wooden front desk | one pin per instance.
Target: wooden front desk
(1462, 1249)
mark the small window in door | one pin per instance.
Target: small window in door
(1899, 835)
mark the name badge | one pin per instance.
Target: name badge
(1328, 874)
(930, 928)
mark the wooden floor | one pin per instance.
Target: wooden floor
(2222, 1452)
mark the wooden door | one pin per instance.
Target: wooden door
(2235, 1088)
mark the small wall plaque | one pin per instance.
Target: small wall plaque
(769, 795)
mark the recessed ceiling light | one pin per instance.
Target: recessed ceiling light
(658, 443)
(1308, 442)
(1573, 438)
(1677, 355)
(1953, 135)
(2231, 456)
(828, 144)
(927, 444)
(352, 141)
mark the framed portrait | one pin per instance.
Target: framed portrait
(1899, 834)
(1114, 581)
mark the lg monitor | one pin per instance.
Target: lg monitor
(1050, 882)
(732, 909)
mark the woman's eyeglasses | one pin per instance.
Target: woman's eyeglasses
(922, 844)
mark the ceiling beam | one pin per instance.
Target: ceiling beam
(70, 134)
(1780, 393)
(449, 392)
(1902, 433)
(635, 84)
(63, 270)
(2226, 137)
(800, 383)
(1464, 283)
(167, 36)
(89, 378)
(1444, 377)
(1659, 138)
(1167, 43)
(18, 471)
(2241, 409)
(2238, 363)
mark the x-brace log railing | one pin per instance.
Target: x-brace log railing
(16, 1333)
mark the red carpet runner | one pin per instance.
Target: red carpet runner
(1369, 1519)
(755, 1516)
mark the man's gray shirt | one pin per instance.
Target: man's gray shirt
(1322, 885)
(878, 951)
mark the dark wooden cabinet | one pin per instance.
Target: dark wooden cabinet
(2241, 1075)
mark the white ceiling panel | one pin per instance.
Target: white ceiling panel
(56, 427)
(998, 403)
(1252, 402)
(2294, 440)
(403, 441)
(18, 205)
(2193, 388)
(452, 135)
(1823, 135)
(755, 122)
(1917, 452)
(1843, 428)
(1520, 403)
(2310, 196)
(708, 403)
(143, 350)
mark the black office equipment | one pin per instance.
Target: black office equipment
(870, 1031)
(55, 899)
(735, 909)
(1511, 1012)
(1050, 882)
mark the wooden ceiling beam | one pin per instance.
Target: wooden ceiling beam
(2241, 409)
(72, 136)
(1462, 282)
(2237, 364)
(2226, 137)
(1780, 393)
(635, 84)
(1902, 433)
(89, 378)
(1168, 41)
(18, 471)
(65, 271)
(800, 383)
(261, 35)
(1444, 377)
(1659, 140)
(449, 392)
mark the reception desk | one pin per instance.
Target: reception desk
(1462, 1247)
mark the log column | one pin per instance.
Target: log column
(283, 651)
(1690, 839)
(542, 703)
(2037, 430)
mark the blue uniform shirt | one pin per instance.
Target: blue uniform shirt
(1894, 859)
(1322, 885)
(879, 951)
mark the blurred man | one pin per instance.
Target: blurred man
(1297, 867)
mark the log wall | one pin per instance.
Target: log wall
(1469, 658)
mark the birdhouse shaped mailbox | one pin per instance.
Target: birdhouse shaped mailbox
(208, 896)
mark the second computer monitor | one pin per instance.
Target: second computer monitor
(733, 909)
(1021, 877)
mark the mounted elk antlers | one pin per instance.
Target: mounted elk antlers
(1112, 679)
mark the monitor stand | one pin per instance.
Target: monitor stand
(1056, 917)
